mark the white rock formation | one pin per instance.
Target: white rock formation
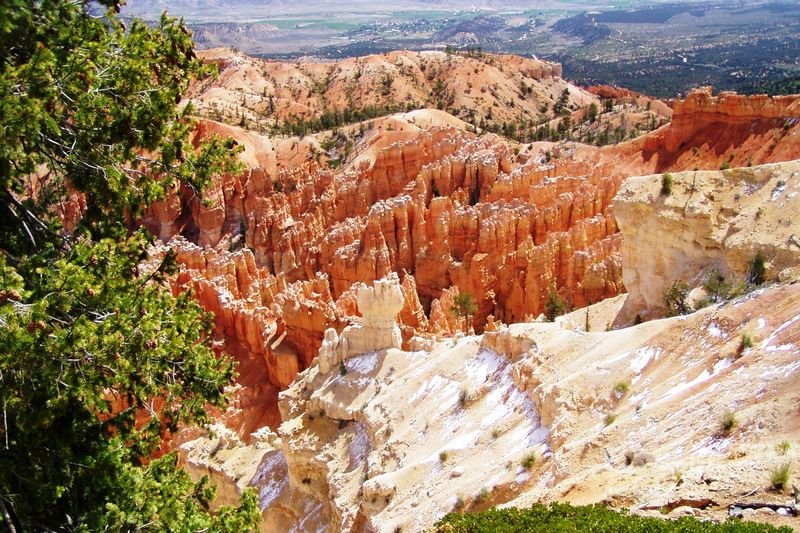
(377, 330)
(712, 219)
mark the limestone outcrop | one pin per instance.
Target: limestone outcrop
(401, 438)
(712, 220)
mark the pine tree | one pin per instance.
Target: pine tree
(98, 360)
(464, 307)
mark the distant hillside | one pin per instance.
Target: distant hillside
(486, 90)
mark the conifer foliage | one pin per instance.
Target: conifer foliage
(98, 360)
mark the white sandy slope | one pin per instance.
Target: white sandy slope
(392, 444)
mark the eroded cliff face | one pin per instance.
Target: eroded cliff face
(447, 211)
(444, 206)
(707, 132)
(712, 220)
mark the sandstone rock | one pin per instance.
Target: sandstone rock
(712, 220)
(377, 329)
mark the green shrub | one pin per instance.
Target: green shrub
(443, 456)
(563, 517)
(666, 184)
(744, 344)
(758, 270)
(725, 165)
(729, 421)
(780, 477)
(717, 288)
(609, 419)
(675, 298)
(783, 447)
(622, 388)
(554, 306)
(528, 461)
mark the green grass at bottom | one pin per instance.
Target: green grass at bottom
(563, 517)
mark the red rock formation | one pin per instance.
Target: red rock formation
(446, 210)
(708, 131)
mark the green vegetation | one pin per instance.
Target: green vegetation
(783, 447)
(464, 307)
(609, 419)
(99, 360)
(758, 270)
(729, 422)
(331, 119)
(596, 518)
(666, 184)
(528, 461)
(622, 388)
(675, 298)
(780, 477)
(443, 456)
(554, 306)
(483, 495)
(744, 344)
(717, 288)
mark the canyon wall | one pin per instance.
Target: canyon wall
(278, 249)
(711, 220)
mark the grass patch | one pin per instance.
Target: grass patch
(783, 447)
(780, 477)
(483, 495)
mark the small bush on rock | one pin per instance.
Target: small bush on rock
(729, 422)
(780, 477)
(675, 298)
(666, 184)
